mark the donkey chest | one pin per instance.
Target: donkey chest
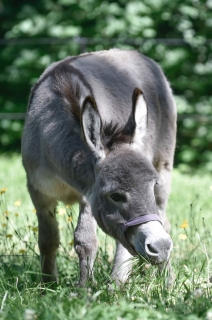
(55, 187)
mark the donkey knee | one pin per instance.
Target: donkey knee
(85, 247)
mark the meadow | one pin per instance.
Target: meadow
(145, 296)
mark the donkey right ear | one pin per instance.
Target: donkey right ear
(140, 112)
(92, 126)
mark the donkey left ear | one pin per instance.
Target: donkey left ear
(91, 127)
(140, 113)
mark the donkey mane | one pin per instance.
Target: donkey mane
(113, 134)
(64, 88)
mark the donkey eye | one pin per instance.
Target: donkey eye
(117, 197)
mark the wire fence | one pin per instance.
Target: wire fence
(85, 42)
(83, 46)
(93, 41)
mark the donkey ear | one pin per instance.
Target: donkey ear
(92, 127)
(140, 113)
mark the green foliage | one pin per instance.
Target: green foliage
(188, 67)
(144, 296)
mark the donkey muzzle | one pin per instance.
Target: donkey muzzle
(151, 241)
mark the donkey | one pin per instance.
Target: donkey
(100, 130)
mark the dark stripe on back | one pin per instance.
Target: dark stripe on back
(59, 68)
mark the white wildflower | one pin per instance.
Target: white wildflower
(209, 315)
(73, 294)
(29, 314)
(197, 293)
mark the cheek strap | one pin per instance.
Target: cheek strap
(140, 220)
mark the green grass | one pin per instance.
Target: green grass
(142, 297)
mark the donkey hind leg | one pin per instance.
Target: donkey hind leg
(162, 192)
(48, 234)
(122, 264)
(85, 242)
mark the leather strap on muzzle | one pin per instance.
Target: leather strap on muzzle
(140, 220)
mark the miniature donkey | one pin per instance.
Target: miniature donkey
(100, 130)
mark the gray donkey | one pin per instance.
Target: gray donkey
(100, 130)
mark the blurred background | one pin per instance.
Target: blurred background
(177, 34)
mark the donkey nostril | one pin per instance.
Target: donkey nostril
(152, 249)
(159, 250)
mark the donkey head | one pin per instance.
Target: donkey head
(125, 180)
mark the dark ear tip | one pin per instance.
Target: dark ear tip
(89, 100)
(89, 104)
(136, 93)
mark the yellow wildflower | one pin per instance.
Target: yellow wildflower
(16, 214)
(61, 211)
(6, 213)
(68, 206)
(184, 225)
(35, 229)
(9, 236)
(69, 219)
(71, 243)
(17, 203)
(3, 190)
(182, 236)
(34, 210)
(22, 251)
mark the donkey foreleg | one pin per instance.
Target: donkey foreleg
(122, 264)
(162, 192)
(48, 234)
(85, 242)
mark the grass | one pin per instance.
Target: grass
(142, 297)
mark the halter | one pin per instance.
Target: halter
(133, 222)
(139, 220)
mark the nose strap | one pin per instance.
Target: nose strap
(140, 220)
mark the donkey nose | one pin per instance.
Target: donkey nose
(158, 251)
